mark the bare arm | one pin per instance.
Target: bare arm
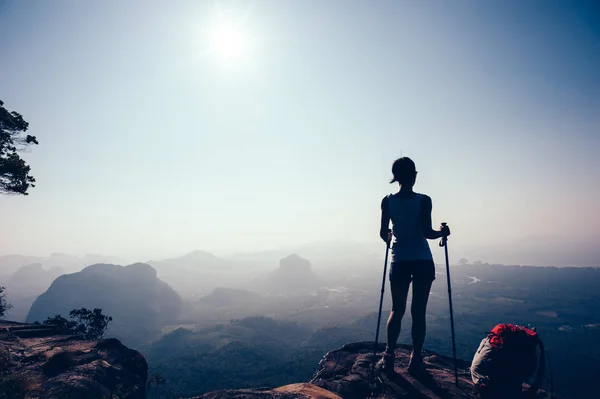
(428, 232)
(385, 220)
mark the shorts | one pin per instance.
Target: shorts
(422, 270)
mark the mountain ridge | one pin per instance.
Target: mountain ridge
(138, 301)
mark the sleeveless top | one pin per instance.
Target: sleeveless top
(410, 243)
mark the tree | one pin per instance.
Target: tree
(14, 171)
(90, 324)
(4, 305)
(65, 326)
(158, 380)
(94, 321)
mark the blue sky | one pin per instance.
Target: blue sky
(151, 147)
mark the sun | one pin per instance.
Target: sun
(228, 42)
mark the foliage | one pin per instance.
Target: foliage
(158, 380)
(14, 171)
(96, 324)
(89, 324)
(245, 353)
(4, 305)
(65, 326)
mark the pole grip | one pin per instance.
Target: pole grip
(444, 239)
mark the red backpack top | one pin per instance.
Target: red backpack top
(514, 336)
(515, 347)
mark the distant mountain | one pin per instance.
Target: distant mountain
(330, 253)
(66, 261)
(24, 286)
(9, 264)
(73, 264)
(230, 297)
(34, 278)
(234, 303)
(199, 272)
(191, 261)
(138, 301)
(294, 276)
(539, 250)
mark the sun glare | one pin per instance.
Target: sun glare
(228, 42)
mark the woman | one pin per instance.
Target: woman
(412, 260)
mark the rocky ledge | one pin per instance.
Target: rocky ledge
(38, 363)
(348, 373)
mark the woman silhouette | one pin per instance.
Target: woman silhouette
(410, 214)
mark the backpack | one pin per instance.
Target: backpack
(506, 357)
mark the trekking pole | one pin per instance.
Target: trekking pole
(387, 250)
(444, 243)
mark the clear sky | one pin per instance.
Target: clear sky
(160, 134)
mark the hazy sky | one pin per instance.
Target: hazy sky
(153, 143)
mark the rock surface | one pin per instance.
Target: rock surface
(348, 373)
(37, 363)
(293, 391)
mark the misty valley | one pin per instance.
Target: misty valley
(253, 320)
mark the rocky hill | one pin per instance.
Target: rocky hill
(139, 303)
(293, 276)
(36, 362)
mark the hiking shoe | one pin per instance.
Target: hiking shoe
(386, 363)
(416, 366)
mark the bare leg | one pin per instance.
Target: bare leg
(399, 291)
(418, 308)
